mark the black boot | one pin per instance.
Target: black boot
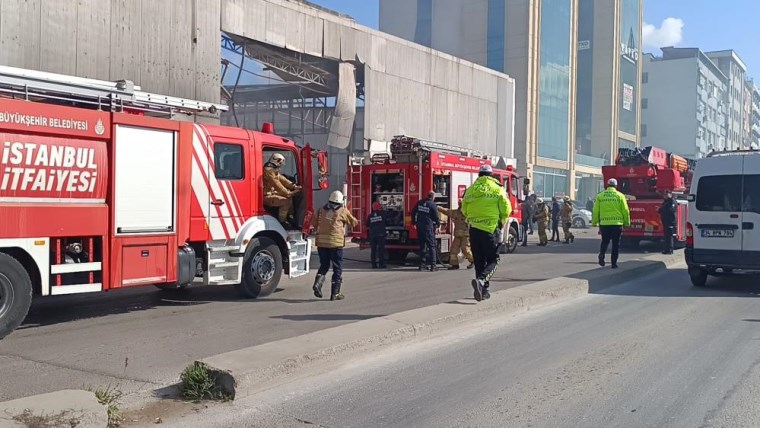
(454, 267)
(335, 294)
(318, 282)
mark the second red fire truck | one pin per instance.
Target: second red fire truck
(413, 168)
(104, 196)
(643, 176)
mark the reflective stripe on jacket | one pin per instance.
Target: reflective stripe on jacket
(485, 204)
(611, 209)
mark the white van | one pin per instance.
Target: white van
(723, 229)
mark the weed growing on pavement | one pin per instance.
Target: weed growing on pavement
(109, 397)
(65, 418)
(199, 382)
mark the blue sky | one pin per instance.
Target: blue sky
(706, 24)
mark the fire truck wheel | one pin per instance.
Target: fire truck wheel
(262, 268)
(15, 294)
(512, 240)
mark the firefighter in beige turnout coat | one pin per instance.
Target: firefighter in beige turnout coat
(461, 241)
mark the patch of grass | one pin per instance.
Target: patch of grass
(199, 382)
(109, 397)
(65, 419)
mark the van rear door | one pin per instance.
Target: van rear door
(717, 218)
(751, 210)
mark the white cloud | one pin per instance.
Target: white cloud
(670, 33)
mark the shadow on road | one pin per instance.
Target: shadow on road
(326, 317)
(674, 283)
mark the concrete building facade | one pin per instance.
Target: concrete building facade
(175, 48)
(608, 86)
(532, 41)
(684, 103)
(754, 115)
(735, 71)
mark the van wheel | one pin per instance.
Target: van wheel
(698, 277)
(15, 294)
(262, 268)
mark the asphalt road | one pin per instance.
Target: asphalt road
(655, 352)
(139, 339)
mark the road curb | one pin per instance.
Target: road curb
(67, 407)
(246, 371)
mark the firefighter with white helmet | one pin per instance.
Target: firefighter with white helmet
(278, 190)
(331, 221)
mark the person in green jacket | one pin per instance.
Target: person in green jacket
(486, 207)
(610, 213)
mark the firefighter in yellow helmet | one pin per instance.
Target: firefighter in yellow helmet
(278, 190)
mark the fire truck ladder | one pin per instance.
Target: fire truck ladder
(97, 94)
(356, 195)
(436, 146)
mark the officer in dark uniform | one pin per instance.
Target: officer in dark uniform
(425, 218)
(668, 218)
(376, 225)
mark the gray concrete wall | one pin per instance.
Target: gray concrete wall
(164, 46)
(671, 115)
(410, 89)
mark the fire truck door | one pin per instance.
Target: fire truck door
(230, 179)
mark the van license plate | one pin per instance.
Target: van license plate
(717, 233)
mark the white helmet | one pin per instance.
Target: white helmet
(277, 159)
(336, 197)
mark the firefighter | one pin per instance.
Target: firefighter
(278, 190)
(376, 223)
(668, 216)
(611, 214)
(425, 218)
(566, 214)
(555, 219)
(461, 240)
(526, 219)
(486, 208)
(542, 217)
(331, 222)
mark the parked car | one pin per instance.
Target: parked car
(722, 229)
(581, 216)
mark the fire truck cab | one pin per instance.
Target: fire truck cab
(99, 190)
(409, 171)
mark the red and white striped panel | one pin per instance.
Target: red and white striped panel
(224, 221)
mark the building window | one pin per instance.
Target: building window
(554, 80)
(645, 77)
(643, 129)
(644, 103)
(548, 182)
(424, 31)
(496, 34)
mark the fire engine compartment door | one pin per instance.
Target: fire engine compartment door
(145, 170)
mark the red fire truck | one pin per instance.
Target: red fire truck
(108, 194)
(643, 176)
(413, 168)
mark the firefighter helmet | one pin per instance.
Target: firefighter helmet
(277, 159)
(336, 197)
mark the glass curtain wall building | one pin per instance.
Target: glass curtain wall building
(608, 101)
(533, 41)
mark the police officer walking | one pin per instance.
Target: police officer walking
(611, 213)
(668, 218)
(486, 208)
(425, 218)
(376, 225)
